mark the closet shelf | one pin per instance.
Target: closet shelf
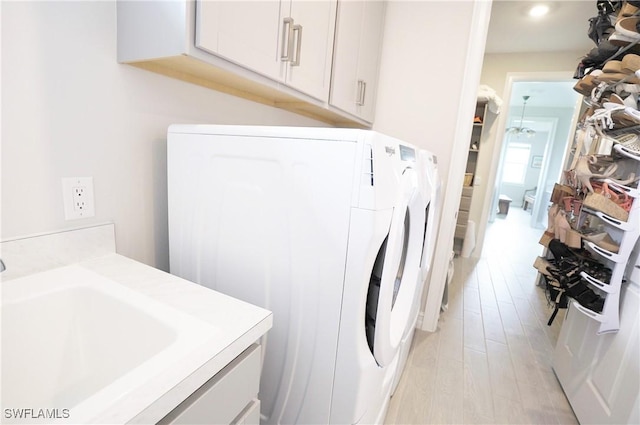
(622, 225)
(632, 192)
(608, 323)
(626, 152)
(599, 284)
(616, 258)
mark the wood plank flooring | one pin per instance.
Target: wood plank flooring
(489, 362)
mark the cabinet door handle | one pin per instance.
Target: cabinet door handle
(362, 88)
(298, 30)
(287, 33)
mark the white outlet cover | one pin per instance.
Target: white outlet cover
(72, 209)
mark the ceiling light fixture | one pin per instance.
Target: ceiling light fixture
(538, 10)
(525, 131)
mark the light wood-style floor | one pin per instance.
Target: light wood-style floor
(489, 362)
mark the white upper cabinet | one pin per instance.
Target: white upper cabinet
(277, 52)
(309, 69)
(356, 56)
(290, 41)
(244, 32)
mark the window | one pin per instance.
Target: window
(515, 163)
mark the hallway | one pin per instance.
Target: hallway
(490, 360)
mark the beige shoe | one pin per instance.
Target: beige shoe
(604, 241)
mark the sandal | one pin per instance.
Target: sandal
(603, 202)
(622, 199)
(604, 241)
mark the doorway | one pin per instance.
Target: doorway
(530, 165)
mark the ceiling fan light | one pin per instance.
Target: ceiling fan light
(528, 132)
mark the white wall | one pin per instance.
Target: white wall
(496, 66)
(423, 65)
(70, 110)
(430, 70)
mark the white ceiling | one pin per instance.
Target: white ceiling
(565, 28)
(511, 30)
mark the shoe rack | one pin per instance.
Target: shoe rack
(596, 355)
(624, 232)
(609, 317)
(470, 172)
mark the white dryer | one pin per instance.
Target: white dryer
(322, 226)
(427, 165)
(432, 186)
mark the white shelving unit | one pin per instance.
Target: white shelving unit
(464, 207)
(609, 318)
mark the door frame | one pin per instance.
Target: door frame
(488, 194)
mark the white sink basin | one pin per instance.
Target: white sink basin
(75, 343)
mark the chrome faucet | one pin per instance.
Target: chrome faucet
(2, 267)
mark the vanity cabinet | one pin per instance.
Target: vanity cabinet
(356, 56)
(289, 41)
(230, 397)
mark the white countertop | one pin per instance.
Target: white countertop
(240, 323)
(237, 325)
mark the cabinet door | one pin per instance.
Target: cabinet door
(310, 69)
(344, 84)
(369, 56)
(357, 56)
(245, 32)
(599, 373)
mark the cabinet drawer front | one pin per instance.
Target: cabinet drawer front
(222, 398)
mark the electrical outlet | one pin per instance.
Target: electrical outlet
(77, 194)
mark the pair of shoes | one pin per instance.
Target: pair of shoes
(584, 173)
(630, 99)
(543, 266)
(565, 233)
(561, 251)
(604, 241)
(612, 203)
(588, 298)
(614, 72)
(572, 205)
(586, 84)
(596, 270)
(626, 28)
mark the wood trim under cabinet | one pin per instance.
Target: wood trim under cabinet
(194, 71)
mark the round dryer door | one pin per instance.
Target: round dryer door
(401, 270)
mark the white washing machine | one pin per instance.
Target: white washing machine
(322, 226)
(427, 165)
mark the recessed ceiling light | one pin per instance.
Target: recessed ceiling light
(538, 10)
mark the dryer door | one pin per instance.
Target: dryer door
(400, 270)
